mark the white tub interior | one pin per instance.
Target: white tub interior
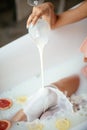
(20, 68)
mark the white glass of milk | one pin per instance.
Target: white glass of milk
(39, 33)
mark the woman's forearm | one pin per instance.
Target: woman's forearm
(71, 16)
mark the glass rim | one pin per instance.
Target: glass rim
(35, 2)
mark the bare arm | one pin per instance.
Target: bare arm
(46, 11)
(72, 15)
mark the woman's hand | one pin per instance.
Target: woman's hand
(46, 11)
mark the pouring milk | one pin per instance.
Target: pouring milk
(39, 34)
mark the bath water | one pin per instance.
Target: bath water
(50, 123)
(22, 92)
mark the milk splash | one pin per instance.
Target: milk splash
(39, 34)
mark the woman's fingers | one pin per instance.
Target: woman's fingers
(36, 14)
(35, 19)
(30, 19)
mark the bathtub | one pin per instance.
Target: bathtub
(20, 62)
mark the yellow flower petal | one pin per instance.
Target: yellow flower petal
(21, 99)
(35, 127)
(63, 124)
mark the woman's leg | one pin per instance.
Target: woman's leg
(19, 116)
(68, 85)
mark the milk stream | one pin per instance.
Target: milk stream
(41, 45)
(39, 34)
(41, 50)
